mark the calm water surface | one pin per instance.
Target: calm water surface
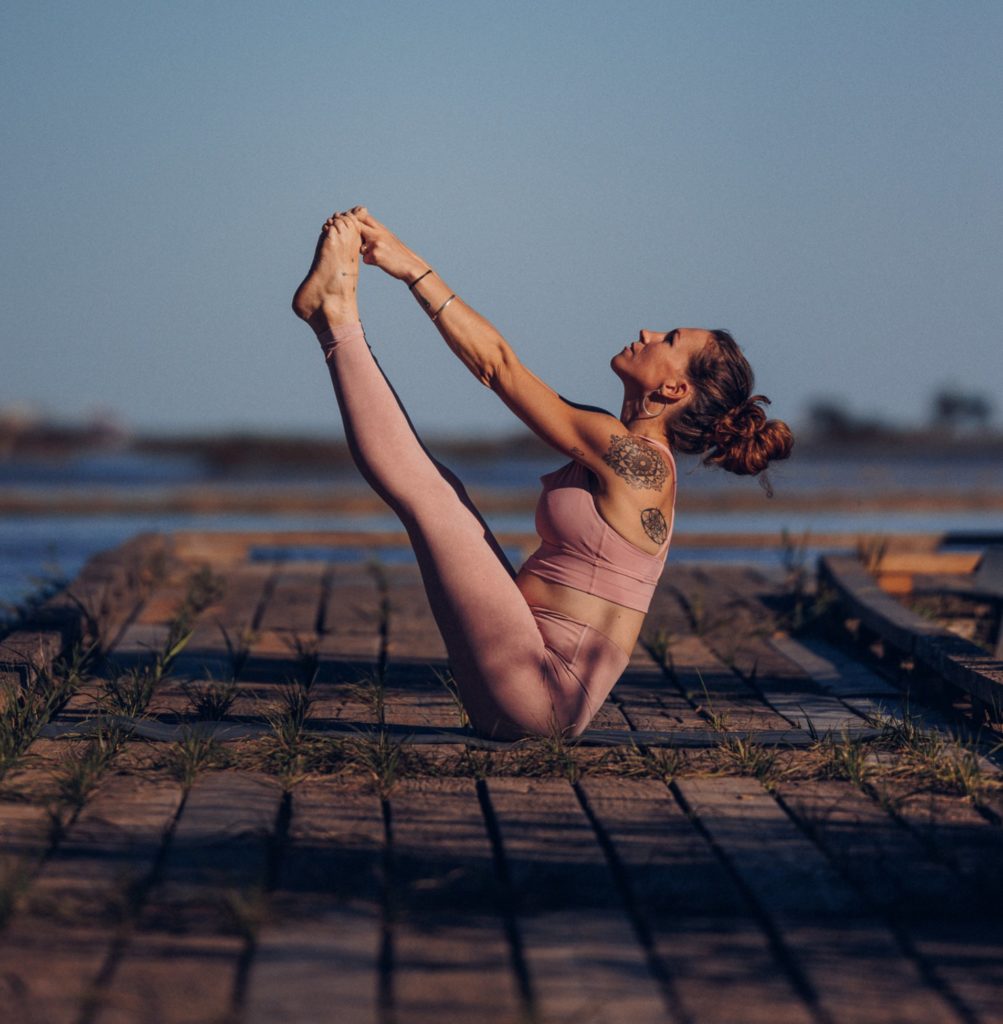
(38, 547)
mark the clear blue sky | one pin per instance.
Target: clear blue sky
(824, 179)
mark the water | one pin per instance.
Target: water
(39, 547)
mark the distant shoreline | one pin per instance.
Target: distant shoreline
(341, 500)
(238, 452)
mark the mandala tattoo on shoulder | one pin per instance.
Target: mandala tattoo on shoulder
(639, 464)
(654, 525)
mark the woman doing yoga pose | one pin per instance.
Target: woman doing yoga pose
(536, 651)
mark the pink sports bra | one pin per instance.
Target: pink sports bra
(579, 549)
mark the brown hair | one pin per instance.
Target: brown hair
(723, 418)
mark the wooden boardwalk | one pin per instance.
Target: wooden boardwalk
(257, 801)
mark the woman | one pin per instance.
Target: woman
(535, 652)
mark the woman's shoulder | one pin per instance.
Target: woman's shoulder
(640, 463)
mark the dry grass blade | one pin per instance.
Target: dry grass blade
(378, 755)
(370, 691)
(445, 677)
(26, 708)
(210, 701)
(750, 758)
(82, 768)
(306, 652)
(238, 647)
(129, 691)
(659, 645)
(194, 751)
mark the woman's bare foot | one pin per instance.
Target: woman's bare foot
(327, 296)
(385, 250)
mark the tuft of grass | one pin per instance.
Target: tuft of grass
(445, 677)
(238, 647)
(378, 755)
(288, 715)
(370, 690)
(192, 752)
(750, 758)
(288, 718)
(641, 762)
(473, 763)
(717, 720)
(664, 763)
(129, 691)
(659, 645)
(205, 588)
(553, 754)
(307, 657)
(82, 768)
(845, 759)
(211, 701)
(25, 708)
(940, 760)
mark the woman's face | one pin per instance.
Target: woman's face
(659, 357)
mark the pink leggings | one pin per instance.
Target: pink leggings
(519, 670)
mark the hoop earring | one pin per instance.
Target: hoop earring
(647, 412)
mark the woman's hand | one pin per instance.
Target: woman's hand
(382, 248)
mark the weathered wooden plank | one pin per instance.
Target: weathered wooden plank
(652, 703)
(24, 826)
(718, 690)
(318, 953)
(53, 951)
(25, 653)
(885, 616)
(417, 697)
(960, 837)
(413, 637)
(107, 589)
(610, 717)
(450, 954)
(717, 956)
(294, 605)
(416, 659)
(837, 668)
(898, 874)
(584, 958)
(233, 617)
(883, 859)
(148, 630)
(969, 955)
(181, 963)
(849, 958)
(350, 639)
(173, 979)
(741, 634)
(834, 670)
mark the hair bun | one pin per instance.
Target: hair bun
(745, 441)
(741, 423)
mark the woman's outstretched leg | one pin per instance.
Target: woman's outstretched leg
(495, 648)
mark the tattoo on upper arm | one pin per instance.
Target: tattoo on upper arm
(654, 525)
(639, 464)
(578, 453)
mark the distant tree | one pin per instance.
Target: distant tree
(830, 420)
(954, 410)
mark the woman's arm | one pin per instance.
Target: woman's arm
(582, 433)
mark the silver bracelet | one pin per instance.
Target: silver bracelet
(435, 315)
(420, 278)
